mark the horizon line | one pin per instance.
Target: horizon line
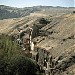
(39, 5)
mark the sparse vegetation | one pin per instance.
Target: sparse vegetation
(43, 21)
(53, 30)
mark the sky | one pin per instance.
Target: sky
(30, 3)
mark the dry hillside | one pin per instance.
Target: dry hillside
(57, 36)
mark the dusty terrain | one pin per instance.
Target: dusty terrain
(57, 37)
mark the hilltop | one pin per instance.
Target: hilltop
(7, 12)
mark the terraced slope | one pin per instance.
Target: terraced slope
(57, 36)
(60, 34)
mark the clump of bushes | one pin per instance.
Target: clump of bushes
(12, 60)
(43, 21)
(73, 11)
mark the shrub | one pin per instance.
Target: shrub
(73, 11)
(12, 60)
(43, 21)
